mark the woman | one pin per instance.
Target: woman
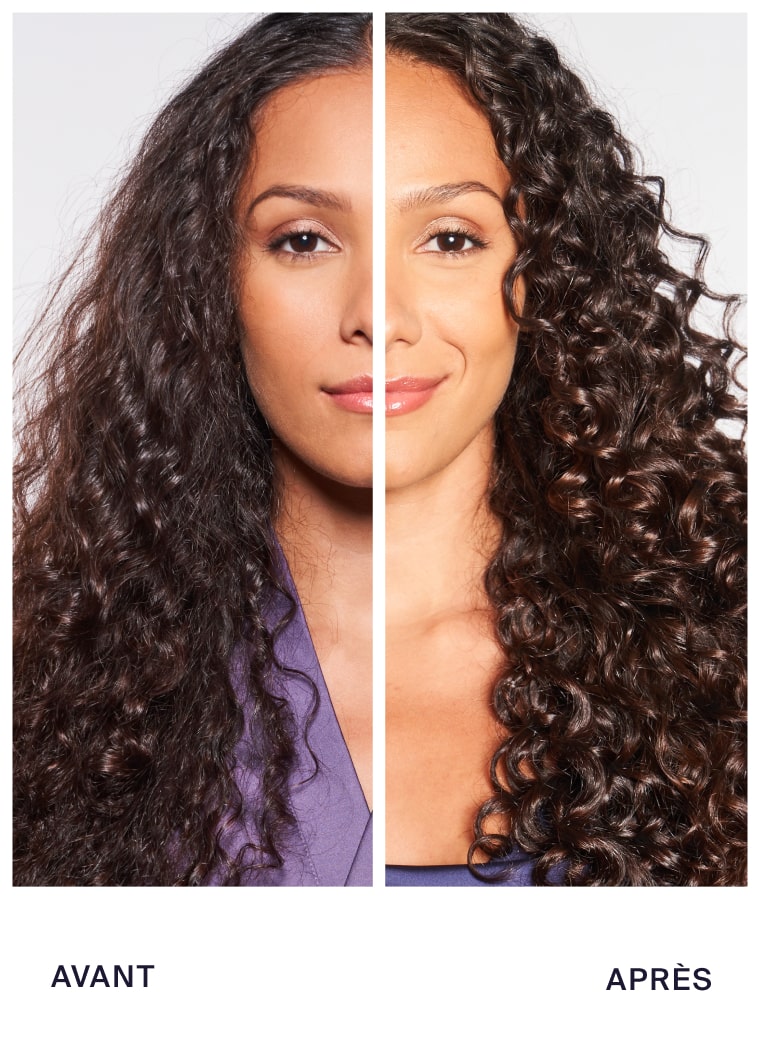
(196, 459)
(565, 580)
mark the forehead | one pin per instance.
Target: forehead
(315, 127)
(435, 133)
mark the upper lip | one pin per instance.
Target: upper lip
(411, 384)
(362, 383)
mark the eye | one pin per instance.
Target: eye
(302, 243)
(452, 242)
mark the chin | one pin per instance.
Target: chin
(402, 474)
(410, 457)
(357, 476)
(358, 481)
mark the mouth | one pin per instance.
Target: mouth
(405, 394)
(354, 395)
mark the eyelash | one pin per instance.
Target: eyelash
(452, 230)
(277, 245)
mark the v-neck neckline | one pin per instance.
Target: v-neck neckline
(316, 669)
(331, 811)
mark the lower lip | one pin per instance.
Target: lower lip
(397, 403)
(355, 402)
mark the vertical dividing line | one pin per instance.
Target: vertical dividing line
(378, 445)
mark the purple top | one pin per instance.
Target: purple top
(520, 866)
(331, 844)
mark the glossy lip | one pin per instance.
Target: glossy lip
(405, 394)
(354, 395)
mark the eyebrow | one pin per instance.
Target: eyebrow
(305, 194)
(424, 197)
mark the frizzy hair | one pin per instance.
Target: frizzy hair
(143, 492)
(619, 583)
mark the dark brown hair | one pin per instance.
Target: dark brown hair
(143, 490)
(619, 584)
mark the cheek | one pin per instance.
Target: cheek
(488, 344)
(492, 343)
(472, 317)
(470, 299)
(273, 307)
(491, 366)
(283, 325)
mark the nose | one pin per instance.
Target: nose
(402, 321)
(356, 320)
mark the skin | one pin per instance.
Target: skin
(446, 320)
(305, 319)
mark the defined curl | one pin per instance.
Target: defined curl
(144, 493)
(619, 586)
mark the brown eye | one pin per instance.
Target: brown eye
(302, 243)
(452, 242)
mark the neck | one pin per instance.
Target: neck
(325, 531)
(440, 536)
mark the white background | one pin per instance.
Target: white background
(372, 974)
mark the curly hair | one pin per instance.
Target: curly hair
(619, 582)
(144, 556)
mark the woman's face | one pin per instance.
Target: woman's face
(450, 342)
(305, 309)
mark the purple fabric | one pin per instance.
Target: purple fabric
(521, 871)
(519, 863)
(331, 844)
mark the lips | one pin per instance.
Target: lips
(406, 394)
(354, 395)
(402, 394)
